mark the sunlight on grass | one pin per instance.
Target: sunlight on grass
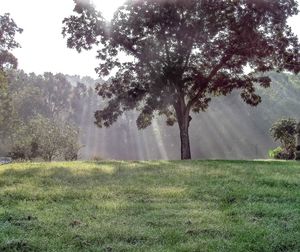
(168, 191)
(150, 206)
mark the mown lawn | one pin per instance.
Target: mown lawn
(150, 206)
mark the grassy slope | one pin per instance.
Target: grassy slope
(150, 206)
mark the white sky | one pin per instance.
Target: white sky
(43, 47)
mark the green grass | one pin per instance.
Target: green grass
(150, 206)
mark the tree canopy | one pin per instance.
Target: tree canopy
(38, 118)
(181, 54)
(8, 30)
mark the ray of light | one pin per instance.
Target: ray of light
(159, 140)
(108, 7)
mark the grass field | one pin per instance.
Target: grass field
(150, 206)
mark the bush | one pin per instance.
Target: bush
(275, 153)
(280, 153)
(284, 131)
(45, 138)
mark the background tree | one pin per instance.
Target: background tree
(229, 129)
(8, 30)
(5, 105)
(70, 146)
(183, 53)
(56, 92)
(77, 99)
(284, 131)
(28, 102)
(21, 145)
(38, 121)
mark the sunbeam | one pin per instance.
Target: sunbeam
(108, 8)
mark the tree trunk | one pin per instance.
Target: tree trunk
(184, 138)
(297, 154)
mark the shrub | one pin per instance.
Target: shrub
(284, 131)
(275, 153)
(45, 138)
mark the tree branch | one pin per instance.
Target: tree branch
(208, 79)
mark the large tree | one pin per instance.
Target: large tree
(183, 53)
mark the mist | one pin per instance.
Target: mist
(229, 129)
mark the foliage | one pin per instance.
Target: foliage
(284, 131)
(150, 206)
(26, 97)
(183, 53)
(5, 103)
(70, 145)
(275, 153)
(22, 147)
(8, 30)
(56, 90)
(45, 138)
(28, 102)
(229, 129)
(47, 134)
(78, 97)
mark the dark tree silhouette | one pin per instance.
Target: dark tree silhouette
(183, 53)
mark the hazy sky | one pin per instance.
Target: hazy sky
(43, 47)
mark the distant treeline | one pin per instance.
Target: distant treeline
(229, 129)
